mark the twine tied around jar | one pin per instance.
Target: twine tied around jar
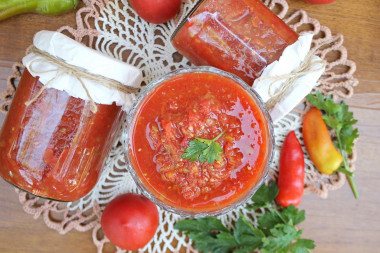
(305, 67)
(79, 73)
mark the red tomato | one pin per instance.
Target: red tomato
(156, 11)
(292, 172)
(130, 221)
(320, 1)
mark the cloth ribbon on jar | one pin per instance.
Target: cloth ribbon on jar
(285, 82)
(66, 69)
(67, 65)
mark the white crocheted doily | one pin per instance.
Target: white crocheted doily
(114, 28)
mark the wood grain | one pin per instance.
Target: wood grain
(337, 224)
(358, 22)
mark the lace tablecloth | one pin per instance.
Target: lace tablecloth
(114, 28)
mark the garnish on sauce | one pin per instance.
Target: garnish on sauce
(203, 150)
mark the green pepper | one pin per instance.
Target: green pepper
(9, 8)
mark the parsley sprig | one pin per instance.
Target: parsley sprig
(203, 149)
(275, 232)
(341, 121)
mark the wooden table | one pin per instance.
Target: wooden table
(337, 224)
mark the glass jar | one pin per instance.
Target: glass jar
(55, 147)
(198, 102)
(241, 37)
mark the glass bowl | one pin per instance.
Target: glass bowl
(151, 188)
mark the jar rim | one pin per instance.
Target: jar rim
(185, 19)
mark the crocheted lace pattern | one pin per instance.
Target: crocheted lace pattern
(115, 29)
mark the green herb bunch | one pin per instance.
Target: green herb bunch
(276, 231)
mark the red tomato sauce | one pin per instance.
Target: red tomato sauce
(55, 147)
(240, 37)
(199, 105)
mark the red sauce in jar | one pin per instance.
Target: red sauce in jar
(199, 105)
(241, 37)
(55, 147)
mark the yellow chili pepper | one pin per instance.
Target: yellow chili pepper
(321, 149)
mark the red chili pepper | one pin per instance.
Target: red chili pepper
(292, 172)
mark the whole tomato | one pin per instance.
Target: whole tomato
(320, 1)
(130, 221)
(156, 11)
(292, 172)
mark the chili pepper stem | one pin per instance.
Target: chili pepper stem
(350, 177)
(346, 169)
(353, 187)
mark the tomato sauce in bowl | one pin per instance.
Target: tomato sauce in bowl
(201, 102)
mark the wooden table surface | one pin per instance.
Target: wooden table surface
(337, 224)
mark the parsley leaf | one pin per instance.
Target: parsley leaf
(289, 215)
(211, 153)
(194, 150)
(209, 234)
(275, 231)
(263, 196)
(203, 150)
(209, 225)
(282, 236)
(292, 215)
(341, 121)
(245, 234)
(268, 220)
(302, 246)
(225, 242)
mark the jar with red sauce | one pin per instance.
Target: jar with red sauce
(240, 37)
(178, 108)
(56, 146)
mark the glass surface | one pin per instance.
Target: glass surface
(240, 37)
(134, 134)
(55, 147)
